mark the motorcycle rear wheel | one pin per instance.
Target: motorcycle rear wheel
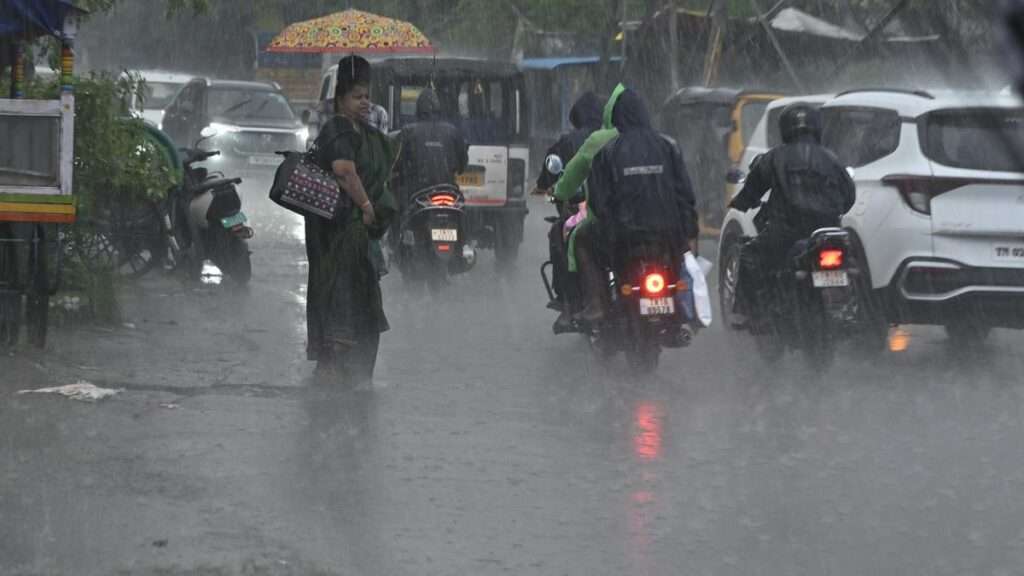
(644, 357)
(239, 264)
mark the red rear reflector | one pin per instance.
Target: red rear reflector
(654, 283)
(830, 259)
(444, 247)
(442, 200)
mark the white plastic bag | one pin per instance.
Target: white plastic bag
(701, 295)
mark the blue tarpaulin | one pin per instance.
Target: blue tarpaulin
(34, 17)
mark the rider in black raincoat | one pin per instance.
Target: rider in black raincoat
(810, 189)
(432, 150)
(639, 190)
(585, 118)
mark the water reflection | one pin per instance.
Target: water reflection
(648, 441)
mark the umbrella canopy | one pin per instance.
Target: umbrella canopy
(351, 31)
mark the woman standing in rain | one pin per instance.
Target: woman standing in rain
(345, 312)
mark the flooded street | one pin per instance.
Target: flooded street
(489, 446)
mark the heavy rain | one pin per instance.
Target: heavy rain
(545, 287)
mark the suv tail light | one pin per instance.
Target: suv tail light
(918, 191)
(830, 259)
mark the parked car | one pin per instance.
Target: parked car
(250, 120)
(939, 217)
(161, 88)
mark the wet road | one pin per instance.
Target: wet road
(489, 446)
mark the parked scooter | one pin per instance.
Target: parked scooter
(431, 242)
(206, 221)
(812, 304)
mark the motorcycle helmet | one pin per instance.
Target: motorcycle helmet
(800, 119)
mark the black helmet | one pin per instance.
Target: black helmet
(1013, 39)
(800, 119)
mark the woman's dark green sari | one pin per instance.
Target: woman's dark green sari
(345, 310)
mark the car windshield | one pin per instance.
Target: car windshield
(976, 139)
(241, 104)
(160, 94)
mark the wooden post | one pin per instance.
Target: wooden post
(718, 13)
(673, 45)
(763, 19)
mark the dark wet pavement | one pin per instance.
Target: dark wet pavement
(490, 446)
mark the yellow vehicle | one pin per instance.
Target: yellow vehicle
(713, 126)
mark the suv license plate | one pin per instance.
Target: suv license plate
(830, 279)
(657, 306)
(444, 235)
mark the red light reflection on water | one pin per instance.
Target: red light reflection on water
(647, 438)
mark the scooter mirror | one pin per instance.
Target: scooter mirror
(554, 165)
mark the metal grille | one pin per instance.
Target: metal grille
(264, 142)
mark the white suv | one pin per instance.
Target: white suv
(939, 216)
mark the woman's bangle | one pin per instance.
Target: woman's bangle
(365, 204)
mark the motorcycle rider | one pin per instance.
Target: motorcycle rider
(432, 151)
(585, 118)
(810, 189)
(639, 189)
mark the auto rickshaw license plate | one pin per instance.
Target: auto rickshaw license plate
(830, 279)
(470, 179)
(657, 306)
(444, 235)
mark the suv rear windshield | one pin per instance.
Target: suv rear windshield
(240, 104)
(860, 136)
(987, 139)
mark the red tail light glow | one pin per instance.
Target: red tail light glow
(444, 247)
(830, 259)
(654, 283)
(442, 200)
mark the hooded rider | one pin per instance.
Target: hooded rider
(585, 118)
(639, 189)
(432, 151)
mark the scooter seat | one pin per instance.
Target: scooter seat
(216, 183)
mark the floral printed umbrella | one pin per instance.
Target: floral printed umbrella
(351, 31)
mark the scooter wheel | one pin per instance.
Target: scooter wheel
(240, 262)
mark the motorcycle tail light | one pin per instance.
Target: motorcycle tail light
(830, 259)
(444, 247)
(654, 283)
(442, 200)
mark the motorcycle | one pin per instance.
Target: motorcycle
(645, 291)
(206, 222)
(431, 242)
(812, 304)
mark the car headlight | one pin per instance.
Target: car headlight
(302, 134)
(217, 129)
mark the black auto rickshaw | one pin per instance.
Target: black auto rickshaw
(713, 126)
(487, 101)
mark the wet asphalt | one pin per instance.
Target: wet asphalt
(487, 445)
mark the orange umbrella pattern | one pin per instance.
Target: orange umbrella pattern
(351, 31)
